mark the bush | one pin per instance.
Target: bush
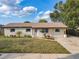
(19, 33)
(48, 37)
(28, 36)
(72, 32)
(12, 35)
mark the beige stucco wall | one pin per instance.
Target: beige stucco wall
(51, 32)
(33, 33)
(23, 30)
(37, 34)
(59, 34)
(40, 34)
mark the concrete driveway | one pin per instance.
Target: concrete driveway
(70, 43)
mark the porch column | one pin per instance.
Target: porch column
(65, 35)
(33, 32)
(50, 32)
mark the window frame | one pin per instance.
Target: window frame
(12, 30)
(57, 30)
(44, 30)
(28, 30)
(35, 30)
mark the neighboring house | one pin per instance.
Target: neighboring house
(56, 29)
(1, 30)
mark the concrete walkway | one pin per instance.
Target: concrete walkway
(70, 43)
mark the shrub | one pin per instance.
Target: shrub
(12, 35)
(28, 36)
(19, 33)
(6, 36)
(45, 35)
(72, 32)
(48, 36)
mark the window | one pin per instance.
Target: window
(35, 30)
(12, 30)
(27, 30)
(44, 30)
(57, 30)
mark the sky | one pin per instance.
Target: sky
(26, 10)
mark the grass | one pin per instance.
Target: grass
(30, 45)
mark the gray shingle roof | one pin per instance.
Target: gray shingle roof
(37, 25)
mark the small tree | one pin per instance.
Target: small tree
(27, 22)
(55, 16)
(19, 33)
(42, 21)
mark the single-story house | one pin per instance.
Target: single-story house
(55, 29)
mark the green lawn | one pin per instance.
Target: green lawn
(30, 45)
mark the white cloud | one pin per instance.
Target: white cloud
(29, 9)
(4, 9)
(43, 15)
(40, 13)
(18, 1)
(9, 7)
(25, 11)
(10, 2)
(46, 14)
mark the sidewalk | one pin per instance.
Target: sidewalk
(38, 56)
(32, 56)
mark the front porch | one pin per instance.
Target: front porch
(52, 32)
